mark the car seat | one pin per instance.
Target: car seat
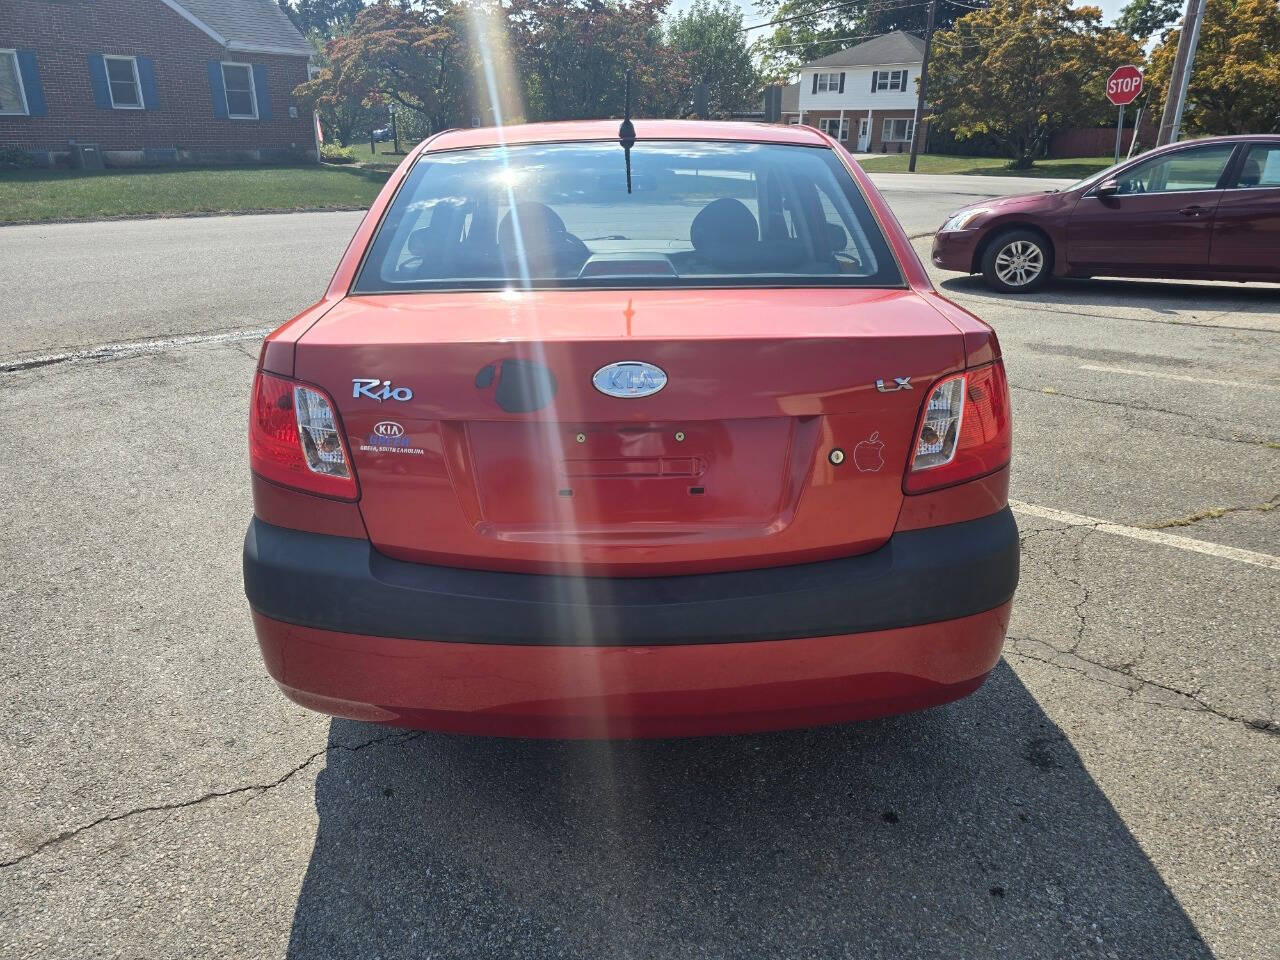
(544, 244)
(726, 236)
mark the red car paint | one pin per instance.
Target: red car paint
(1228, 232)
(729, 469)
(596, 692)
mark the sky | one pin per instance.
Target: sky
(750, 15)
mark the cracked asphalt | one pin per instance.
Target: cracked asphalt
(1113, 791)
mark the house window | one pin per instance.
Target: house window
(122, 81)
(13, 98)
(898, 131)
(828, 83)
(242, 102)
(891, 80)
(835, 127)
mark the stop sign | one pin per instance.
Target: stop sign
(1124, 84)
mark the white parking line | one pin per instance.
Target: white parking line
(1159, 375)
(1264, 560)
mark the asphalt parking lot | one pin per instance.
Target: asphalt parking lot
(1112, 791)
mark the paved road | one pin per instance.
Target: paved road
(79, 285)
(921, 203)
(1111, 792)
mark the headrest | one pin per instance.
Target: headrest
(538, 223)
(724, 222)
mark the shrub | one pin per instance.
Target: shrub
(334, 153)
(14, 157)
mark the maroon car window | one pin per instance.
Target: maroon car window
(692, 213)
(1199, 168)
(1261, 167)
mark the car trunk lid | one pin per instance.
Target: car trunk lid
(479, 438)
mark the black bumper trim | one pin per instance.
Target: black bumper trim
(917, 577)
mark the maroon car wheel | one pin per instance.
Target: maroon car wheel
(1018, 261)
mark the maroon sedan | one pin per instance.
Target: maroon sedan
(1204, 209)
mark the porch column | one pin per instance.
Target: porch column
(840, 128)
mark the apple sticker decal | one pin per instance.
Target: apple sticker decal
(866, 455)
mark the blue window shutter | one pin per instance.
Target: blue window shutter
(147, 77)
(875, 75)
(904, 81)
(217, 90)
(842, 81)
(98, 76)
(31, 83)
(815, 83)
(261, 91)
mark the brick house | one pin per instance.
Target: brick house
(864, 96)
(153, 81)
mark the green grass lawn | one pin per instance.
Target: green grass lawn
(43, 195)
(1075, 168)
(384, 157)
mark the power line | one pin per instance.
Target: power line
(812, 43)
(802, 16)
(814, 13)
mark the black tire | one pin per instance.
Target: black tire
(1017, 261)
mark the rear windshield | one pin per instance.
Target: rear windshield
(559, 215)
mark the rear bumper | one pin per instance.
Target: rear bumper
(954, 249)
(346, 631)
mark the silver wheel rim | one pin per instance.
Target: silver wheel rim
(1018, 263)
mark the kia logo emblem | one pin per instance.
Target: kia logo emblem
(629, 379)
(388, 428)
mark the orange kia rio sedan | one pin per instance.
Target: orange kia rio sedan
(650, 431)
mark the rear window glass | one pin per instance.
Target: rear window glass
(698, 214)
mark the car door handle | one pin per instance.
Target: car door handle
(1193, 211)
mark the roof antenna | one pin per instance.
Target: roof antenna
(627, 132)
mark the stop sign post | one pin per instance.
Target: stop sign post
(1123, 87)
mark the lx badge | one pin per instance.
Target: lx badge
(899, 383)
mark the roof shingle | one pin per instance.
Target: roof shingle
(896, 47)
(249, 25)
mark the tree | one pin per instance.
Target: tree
(573, 56)
(322, 17)
(710, 36)
(416, 58)
(343, 116)
(1235, 78)
(816, 28)
(1142, 19)
(1022, 69)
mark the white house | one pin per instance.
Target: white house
(864, 96)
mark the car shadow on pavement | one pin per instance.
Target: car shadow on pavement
(1157, 296)
(971, 830)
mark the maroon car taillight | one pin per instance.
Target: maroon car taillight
(965, 430)
(295, 438)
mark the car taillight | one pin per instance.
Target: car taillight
(965, 431)
(295, 438)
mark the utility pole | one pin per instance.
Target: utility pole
(1186, 71)
(1180, 75)
(924, 81)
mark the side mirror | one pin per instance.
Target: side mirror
(1108, 188)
